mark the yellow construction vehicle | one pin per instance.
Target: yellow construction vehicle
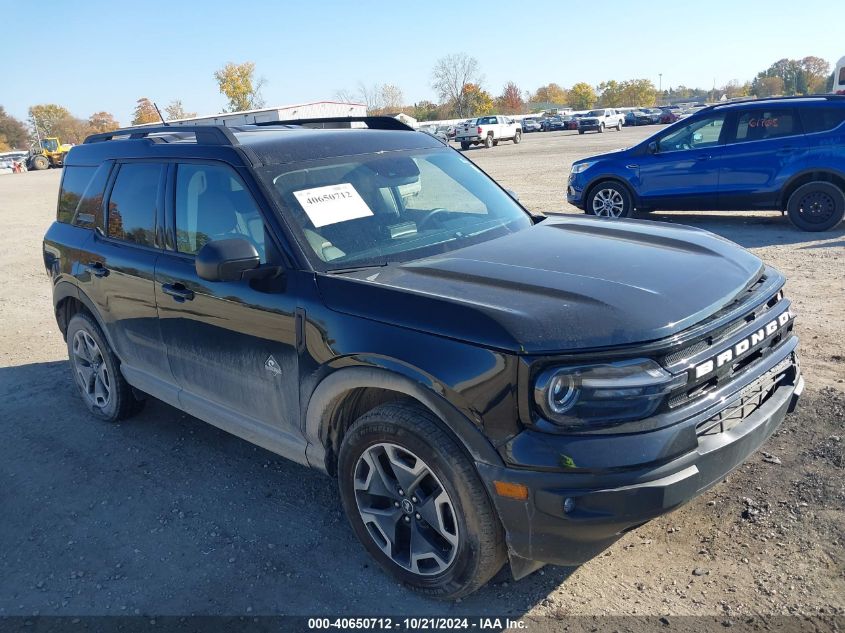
(48, 153)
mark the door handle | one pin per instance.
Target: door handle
(97, 269)
(178, 292)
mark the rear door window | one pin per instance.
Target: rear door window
(760, 124)
(133, 201)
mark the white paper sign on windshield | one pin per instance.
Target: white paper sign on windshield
(332, 204)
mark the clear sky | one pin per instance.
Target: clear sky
(92, 55)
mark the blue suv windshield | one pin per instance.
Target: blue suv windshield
(375, 209)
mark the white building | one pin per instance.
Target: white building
(317, 109)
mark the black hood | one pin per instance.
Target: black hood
(562, 285)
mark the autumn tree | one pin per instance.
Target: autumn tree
(13, 132)
(451, 76)
(50, 119)
(582, 96)
(767, 86)
(425, 111)
(175, 110)
(100, 122)
(734, 90)
(240, 86)
(510, 101)
(145, 112)
(476, 100)
(550, 93)
(799, 76)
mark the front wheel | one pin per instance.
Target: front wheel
(416, 503)
(601, 129)
(517, 138)
(816, 206)
(610, 200)
(619, 126)
(39, 163)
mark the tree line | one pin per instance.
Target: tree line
(457, 81)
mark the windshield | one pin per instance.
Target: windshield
(50, 144)
(596, 113)
(375, 209)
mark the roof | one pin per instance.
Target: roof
(814, 99)
(254, 145)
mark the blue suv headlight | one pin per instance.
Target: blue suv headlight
(577, 168)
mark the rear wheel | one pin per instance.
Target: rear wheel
(96, 372)
(417, 504)
(610, 199)
(816, 206)
(488, 142)
(517, 137)
(619, 126)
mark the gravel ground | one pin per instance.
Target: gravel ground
(164, 514)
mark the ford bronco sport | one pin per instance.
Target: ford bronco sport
(486, 385)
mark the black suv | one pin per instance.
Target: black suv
(485, 384)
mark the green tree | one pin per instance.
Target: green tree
(175, 110)
(145, 112)
(100, 122)
(13, 133)
(425, 111)
(510, 101)
(582, 96)
(611, 94)
(237, 82)
(550, 93)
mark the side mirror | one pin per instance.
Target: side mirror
(227, 260)
(652, 147)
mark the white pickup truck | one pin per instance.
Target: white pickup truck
(488, 130)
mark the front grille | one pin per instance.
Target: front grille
(724, 338)
(751, 399)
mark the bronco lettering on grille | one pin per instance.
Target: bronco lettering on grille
(742, 346)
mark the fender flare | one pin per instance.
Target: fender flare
(784, 199)
(66, 289)
(342, 381)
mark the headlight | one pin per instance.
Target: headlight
(598, 395)
(577, 168)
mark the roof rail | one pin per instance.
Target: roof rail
(783, 98)
(206, 134)
(373, 122)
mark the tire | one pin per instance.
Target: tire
(610, 199)
(816, 206)
(495, 143)
(517, 137)
(39, 163)
(96, 370)
(601, 128)
(464, 145)
(580, 131)
(619, 126)
(400, 434)
(488, 142)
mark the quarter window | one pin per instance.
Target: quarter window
(74, 182)
(758, 125)
(213, 204)
(133, 201)
(821, 119)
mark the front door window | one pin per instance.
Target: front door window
(701, 133)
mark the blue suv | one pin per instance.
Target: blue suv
(785, 154)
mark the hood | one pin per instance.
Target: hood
(562, 285)
(596, 157)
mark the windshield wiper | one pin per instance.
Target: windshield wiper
(352, 269)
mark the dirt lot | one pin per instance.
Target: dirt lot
(164, 514)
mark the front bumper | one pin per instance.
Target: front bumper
(605, 505)
(575, 190)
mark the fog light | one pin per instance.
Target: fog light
(568, 505)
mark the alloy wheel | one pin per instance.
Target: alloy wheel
(608, 203)
(92, 373)
(406, 509)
